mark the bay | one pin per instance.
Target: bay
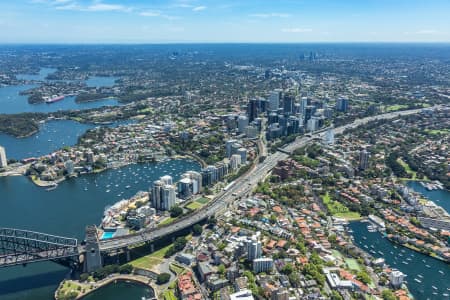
(52, 135)
(440, 197)
(11, 102)
(66, 211)
(418, 267)
(122, 290)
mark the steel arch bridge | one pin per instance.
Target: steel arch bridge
(20, 247)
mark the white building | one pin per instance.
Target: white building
(242, 295)
(167, 179)
(263, 264)
(329, 137)
(3, 160)
(168, 197)
(235, 161)
(254, 248)
(312, 124)
(396, 278)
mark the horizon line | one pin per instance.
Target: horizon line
(217, 43)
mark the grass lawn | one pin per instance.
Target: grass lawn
(338, 209)
(202, 200)
(352, 264)
(396, 107)
(407, 168)
(337, 254)
(169, 295)
(194, 205)
(167, 221)
(176, 268)
(436, 131)
(150, 261)
(349, 216)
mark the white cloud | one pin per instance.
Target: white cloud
(427, 31)
(199, 8)
(297, 30)
(151, 13)
(157, 13)
(270, 15)
(99, 6)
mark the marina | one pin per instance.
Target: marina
(26, 206)
(422, 270)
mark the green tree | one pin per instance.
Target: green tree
(125, 269)
(176, 211)
(84, 277)
(163, 278)
(336, 296)
(287, 269)
(388, 295)
(363, 277)
(197, 229)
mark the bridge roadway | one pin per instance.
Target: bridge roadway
(243, 185)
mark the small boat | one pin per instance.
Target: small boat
(364, 238)
(445, 294)
(428, 266)
(404, 262)
(418, 280)
(381, 253)
(128, 186)
(419, 276)
(434, 287)
(441, 272)
(108, 191)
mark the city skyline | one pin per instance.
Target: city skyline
(208, 21)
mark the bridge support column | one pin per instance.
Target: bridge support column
(152, 248)
(93, 256)
(128, 254)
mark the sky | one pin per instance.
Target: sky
(215, 21)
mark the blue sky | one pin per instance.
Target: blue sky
(160, 21)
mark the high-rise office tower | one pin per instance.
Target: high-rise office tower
(342, 104)
(288, 103)
(363, 159)
(274, 100)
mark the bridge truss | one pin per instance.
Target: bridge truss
(20, 247)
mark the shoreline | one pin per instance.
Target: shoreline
(47, 184)
(95, 286)
(406, 245)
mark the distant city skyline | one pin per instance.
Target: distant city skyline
(185, 21)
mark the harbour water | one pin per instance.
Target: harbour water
(440, 197)
(428, 278)
(120, 291)
(11, 102)
(66, 211)
(53, 135)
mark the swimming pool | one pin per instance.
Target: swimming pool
(108, 235)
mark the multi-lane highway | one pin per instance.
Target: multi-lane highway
(242, 186)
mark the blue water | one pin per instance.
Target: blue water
(120, 291)
(409, 262)
(12, 103)
(100, 81)
(440, 197)
(66, 211)
(43, 72)
(53, 135)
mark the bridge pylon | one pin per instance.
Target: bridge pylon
(93, 257)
